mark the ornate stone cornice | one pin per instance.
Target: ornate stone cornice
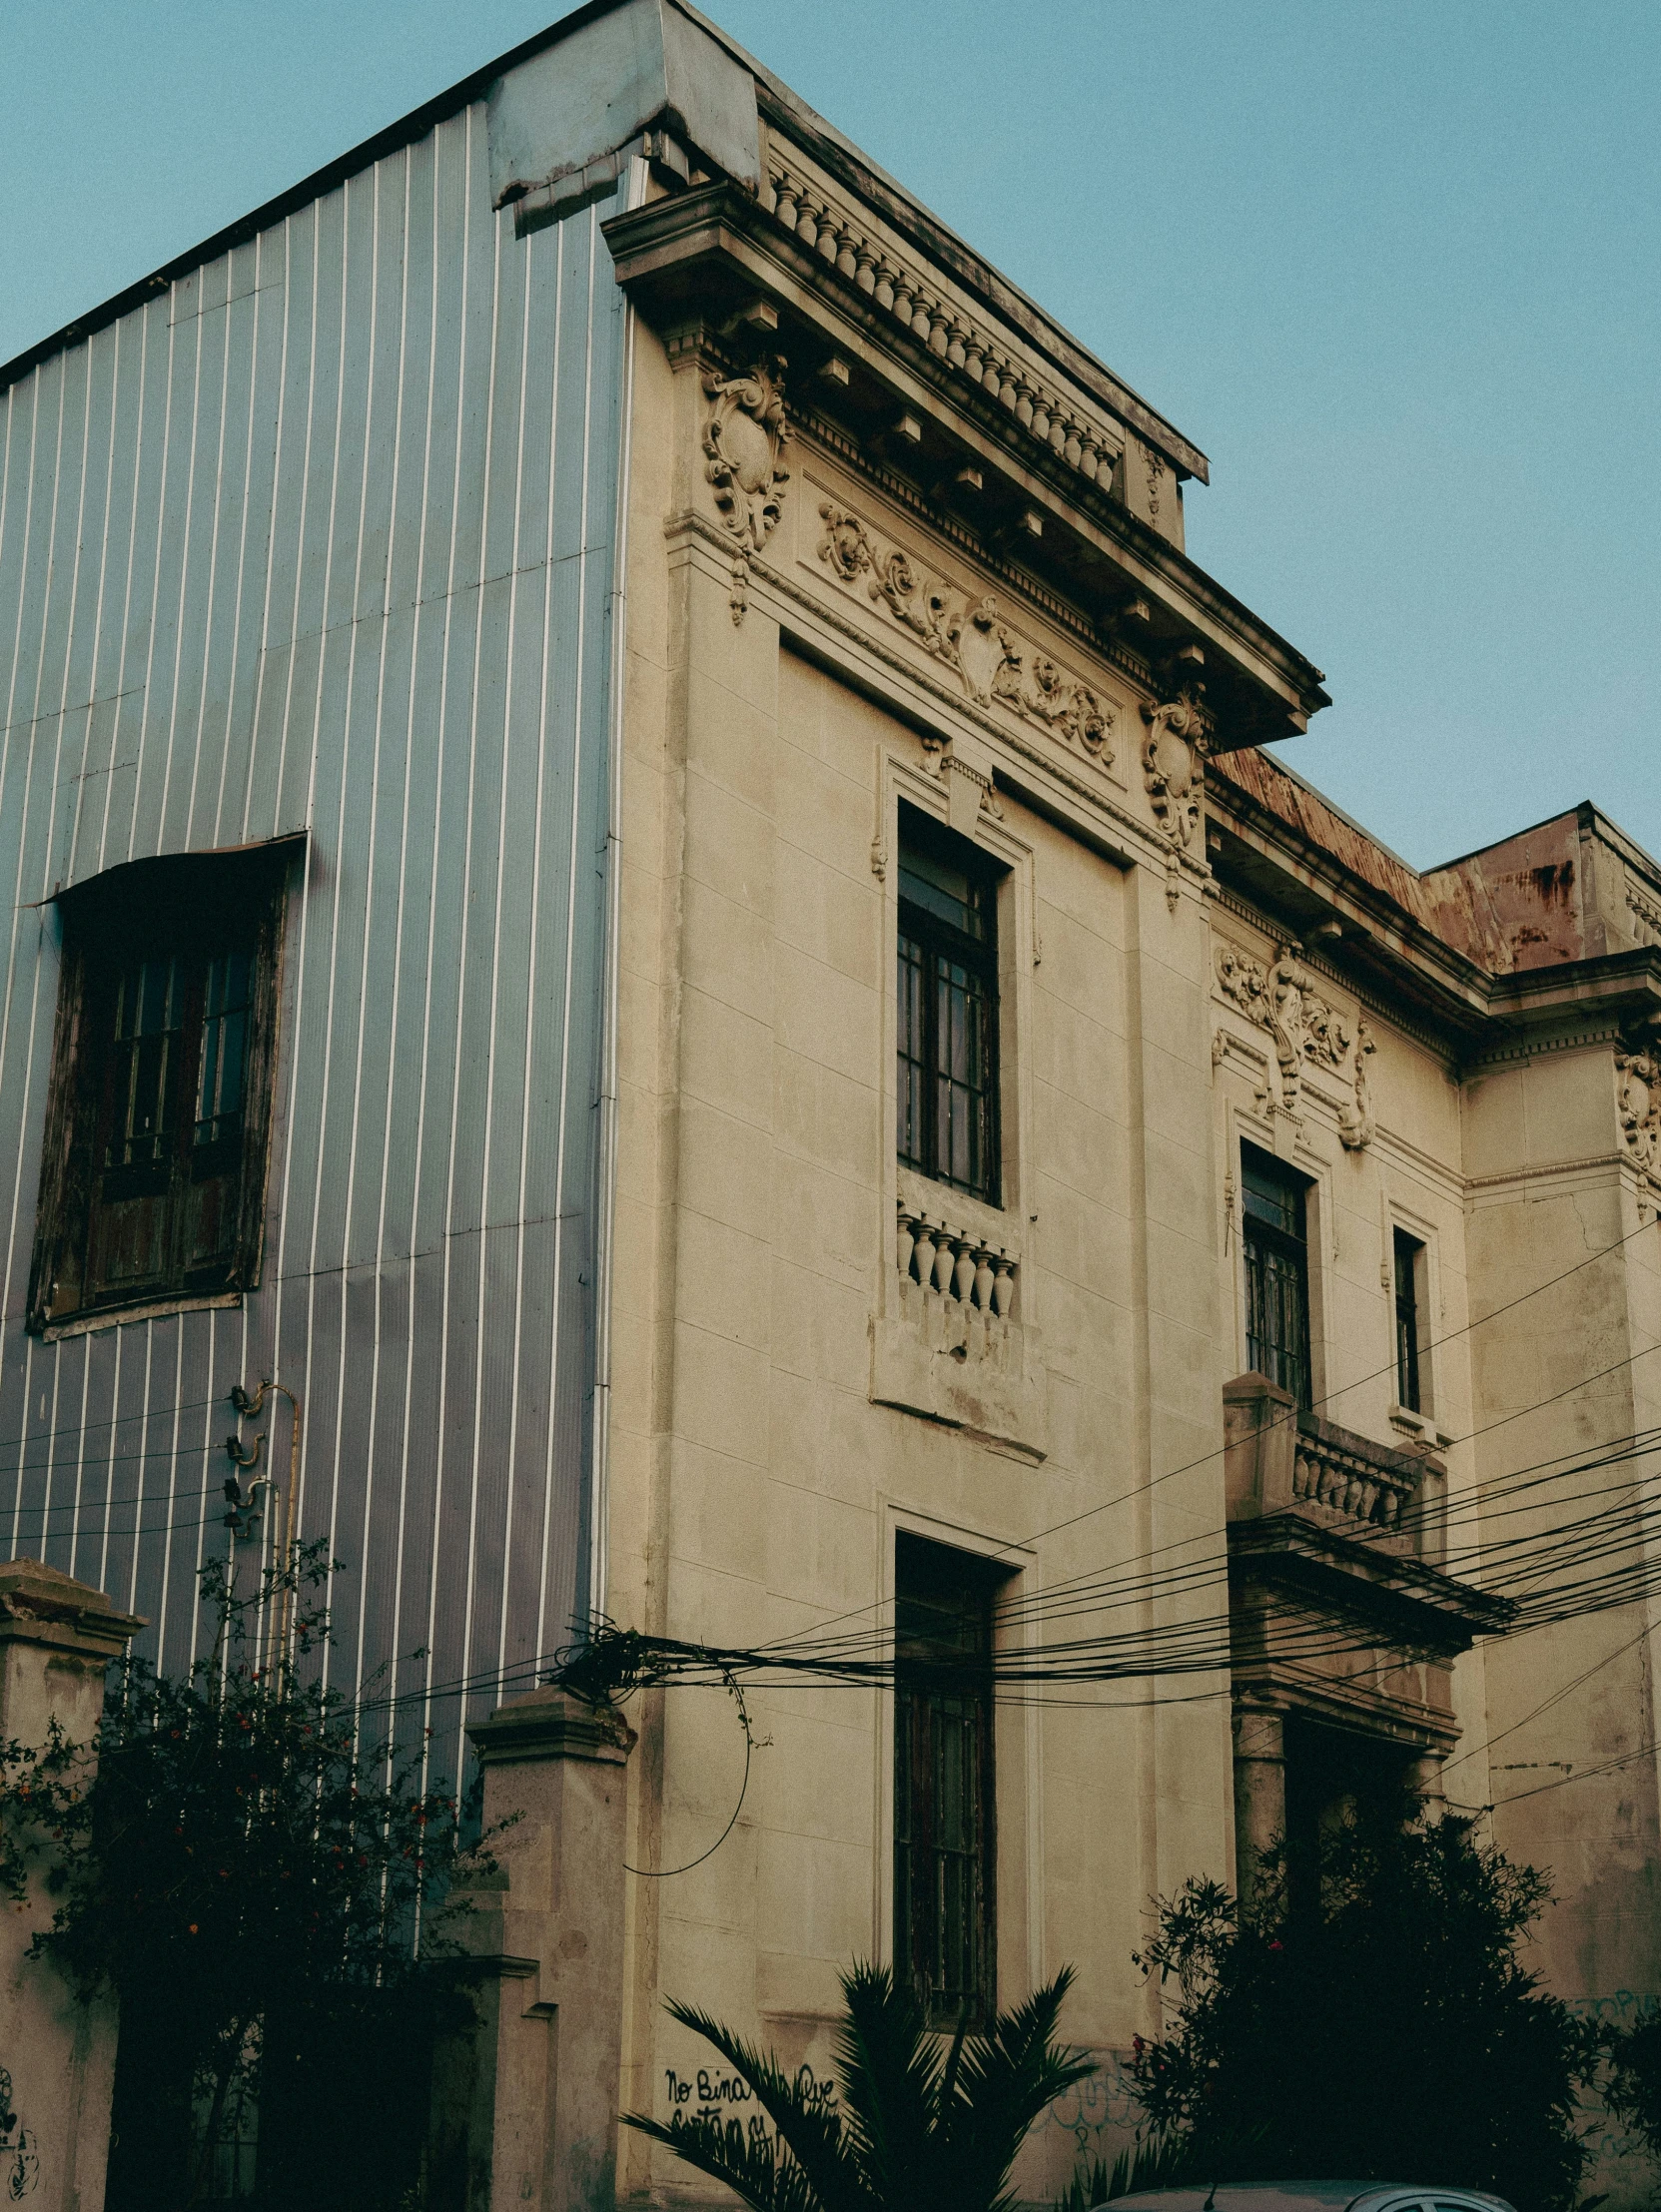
(711, 257)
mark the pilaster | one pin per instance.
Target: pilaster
(57, 1637)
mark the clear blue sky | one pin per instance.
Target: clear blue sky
(1395, 264)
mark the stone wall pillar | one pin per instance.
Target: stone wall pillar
(535, 2102)
(57, 1637)
(1260, 1792)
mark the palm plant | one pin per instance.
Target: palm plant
(922, 2123)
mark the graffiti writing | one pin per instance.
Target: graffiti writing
(19, 2166)
(711, 2093)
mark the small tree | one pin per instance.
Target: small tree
(1387, 2028)
(1633, 2088)
(925, 2123)
(247, 1872)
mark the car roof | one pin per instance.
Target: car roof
(1299, 2196)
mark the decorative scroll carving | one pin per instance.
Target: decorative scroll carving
(1282, 1000)
(744, 444)
(970, 637)
(1356, 1125)
(1638, 1108)
(898, 585)
(1172, 764)
(844, 545)
(1073, 708)
(1155, 475)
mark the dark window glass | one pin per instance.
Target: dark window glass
(1277, 1272)
(1407, 1251)
(944, 1824)
(947, 1073)
(153, 1182)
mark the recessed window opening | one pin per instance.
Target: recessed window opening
(1410, 1266)
(153, 1182)
(945, 1829)
(1276, 1239)
(947, 1031)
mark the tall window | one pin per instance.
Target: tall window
(945, 1892)
(948, 1009)
(1277, 1272)
(152, 1180)
(1409, 1261)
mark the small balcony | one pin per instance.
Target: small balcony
(1279, 1458)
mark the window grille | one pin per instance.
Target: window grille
(947, 1073)
(1275, 1236)
(1408, 1256)
(944, 1889)
(152, 1180)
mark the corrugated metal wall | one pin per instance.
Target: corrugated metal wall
(322, 539)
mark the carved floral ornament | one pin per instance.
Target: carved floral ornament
(1638, 1109)
(1281, 999)
(744, 444)
(969, 636)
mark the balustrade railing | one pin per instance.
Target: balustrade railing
(1364, 1482)
(979, 1275)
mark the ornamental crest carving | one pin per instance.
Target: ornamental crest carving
(744, 444)
(1172, 764)
(994, 666)
(1356, 1125)
(1281, 999)
(1638, 1109)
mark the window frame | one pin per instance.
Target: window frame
(1289, 1247)
(1410, 1241)
(937, 939)
(107, 921)
(922, 1685)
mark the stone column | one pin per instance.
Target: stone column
(535, 2103)
(1260, 1792)
(1425, 1780)
(57, 1637)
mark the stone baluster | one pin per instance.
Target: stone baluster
(1003, 1288)
(788, 202)
(830, 244)
(865, 266)
(922, 1258)
(886, 280)
(983, 1279)
(904, 293)
(957, 343)
(807, 227)
(963, 1272)
(1040, 416)
(974, 359)
(944, 1259)
(905, 1241)
(847, 250)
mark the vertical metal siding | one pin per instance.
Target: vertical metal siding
(322, 538)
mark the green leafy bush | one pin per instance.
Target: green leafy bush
(249, 1873)
(1386, 2029)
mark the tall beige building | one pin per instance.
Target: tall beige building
(1056, 1145)
(803, 1071)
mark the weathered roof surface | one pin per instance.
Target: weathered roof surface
(1323, 824)
(1532, 900)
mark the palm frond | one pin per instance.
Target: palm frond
(1005, 2081)
(812, 2136)
(888, 2072)
(754, 2167)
